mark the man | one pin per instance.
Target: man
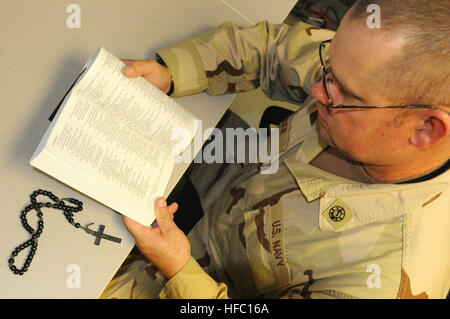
(360, 204)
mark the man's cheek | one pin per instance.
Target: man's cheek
(357, 146)
(347, 139)
(325, 134)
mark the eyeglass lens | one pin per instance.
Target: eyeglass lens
(328, 80)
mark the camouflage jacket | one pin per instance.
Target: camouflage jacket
(302, 232)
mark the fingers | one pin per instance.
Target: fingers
(150, 70)
(127, 61)
(133, 226)
(137, 68)
(173, 208)
(163, 217)
(130, 71)
(162, 213)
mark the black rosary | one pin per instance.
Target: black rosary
(55, 203)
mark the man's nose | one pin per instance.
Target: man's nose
(318, 91)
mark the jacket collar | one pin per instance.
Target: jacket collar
(360, 203)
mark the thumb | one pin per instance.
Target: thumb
(130, 71)
(163, 216)
(139, 67)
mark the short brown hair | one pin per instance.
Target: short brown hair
(419, 74)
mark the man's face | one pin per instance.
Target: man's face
(366, 135)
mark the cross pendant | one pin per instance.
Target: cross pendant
(99, 235)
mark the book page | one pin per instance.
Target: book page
(98, 155)
(136, 102)
(111, 138)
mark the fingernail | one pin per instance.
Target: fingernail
(162, 202)
(129, 69)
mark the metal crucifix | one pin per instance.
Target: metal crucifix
(99, 235)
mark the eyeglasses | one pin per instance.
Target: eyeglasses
(330, 86)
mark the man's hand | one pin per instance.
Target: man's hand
(150, 70)
(166, 246)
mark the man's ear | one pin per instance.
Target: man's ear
(433, 129)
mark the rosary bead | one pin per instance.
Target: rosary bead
(33, 241)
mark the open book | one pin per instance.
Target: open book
(111, 138)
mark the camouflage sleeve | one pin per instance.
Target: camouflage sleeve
(192, 282)
(282, 60)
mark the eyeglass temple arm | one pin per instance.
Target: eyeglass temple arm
(418, 106)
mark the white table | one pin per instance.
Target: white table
(40, 56)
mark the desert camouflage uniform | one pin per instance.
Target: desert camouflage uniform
(301, 232)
